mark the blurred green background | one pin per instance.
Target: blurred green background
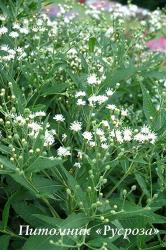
(150, 4)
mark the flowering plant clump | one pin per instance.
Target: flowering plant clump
(82, 127)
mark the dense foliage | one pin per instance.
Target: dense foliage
(83, 126)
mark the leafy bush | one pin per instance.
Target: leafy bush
(83, 128)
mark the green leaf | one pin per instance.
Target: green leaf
(92, 43)
(7, 163)
(4, 149)
(72, 221)
(155, 74)
(142, 184)
(148, 107)
(121, 74)
(4, 242)
(42, 163)
(41, 243)
(5, 213)
(159, 122)
(26, 211)
(53, 89)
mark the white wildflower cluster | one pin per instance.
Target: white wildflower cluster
(34, 125)
(145, 135)
(155, 21)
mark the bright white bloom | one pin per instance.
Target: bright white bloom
(105, 124)
(20, 119)
(145, 135)
(16, 26)
(5, 47)
(111, 106)
(3, 30)
(48, 138)
(104, 146)
(14, 34)
(93, 100)
(35, 128)
(72, 51)
(80, 94)
(75, 126)
(59, 118)
(2, 18)
(40, 113)
(24, 30)
(117, 134)
(92, 80)
(124, 112)
(77, 165)
(99, 132)
(92, 144)
(109, 92)
(127, 134)
(62, 151)
(81, 102)
(152, 137)
(145, 129)
(87, 135)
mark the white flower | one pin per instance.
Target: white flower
(92, 144)
(87, 135)
(118, 135)
(111, 106)
(140, 137)
(48, 138)
(80, 154)
(35, 128)
(72, 51)
(124, 112)
(24, 30)
(5, 47)
(59, 118)
(92, 80)
(104, 146)
(20, 119)
(75, 126)
(16, 26)
(81, 102)
(145, 129)
(14, 34)
(62, 151)
(102, 98)
(97, 99)
(77, 165)
(152, 137)
(80, 94)
(64, 136)
(3, 30)
(40, 113)
(109, 92)
(2, 18)
(105, 123)
(127, 134)
(99, 132)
